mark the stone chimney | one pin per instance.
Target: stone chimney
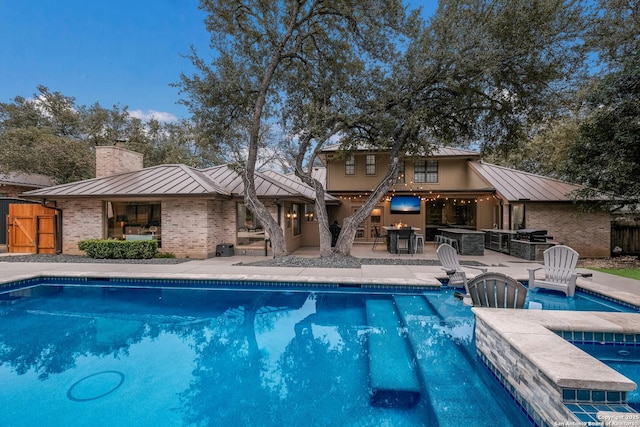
(111, 159)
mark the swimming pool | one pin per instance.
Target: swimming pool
(100, 353)
(622, 358)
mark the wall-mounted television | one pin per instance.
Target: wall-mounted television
(405, 205)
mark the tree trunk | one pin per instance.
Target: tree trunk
(320, 204)
(350, 223)
(274, 231)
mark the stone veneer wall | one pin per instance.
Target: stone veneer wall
(111, 160)
(531, 251)
(534, 391)
(81, 219)
(587, 233)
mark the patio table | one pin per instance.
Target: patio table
(392, 237)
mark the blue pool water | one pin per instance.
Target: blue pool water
(102, 355)
(622, 358)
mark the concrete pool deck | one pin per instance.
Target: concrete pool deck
(627, 290)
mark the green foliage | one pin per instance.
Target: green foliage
(119, 249)
(606, 157)
(165, 255)
(631, 273)
(50, 134)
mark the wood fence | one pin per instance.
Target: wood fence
(626, 236)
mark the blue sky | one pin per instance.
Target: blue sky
(124, 52)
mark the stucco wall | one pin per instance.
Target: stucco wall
(452, 173)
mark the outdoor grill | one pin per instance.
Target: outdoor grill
(532, 235)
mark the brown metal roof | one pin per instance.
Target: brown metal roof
(514, 185)
(292, 181)
(268, 184)
(163, 180)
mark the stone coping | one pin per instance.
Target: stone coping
(608, 291)
(530, 332)
(418, 283)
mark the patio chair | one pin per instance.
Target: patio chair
(448, 257)
(497, 290)
(403, 241)
(559, 271)
(377, 236)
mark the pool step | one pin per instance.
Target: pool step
(447, 373)
(393, 378)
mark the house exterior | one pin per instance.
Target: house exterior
(456, 189)
(191, 212)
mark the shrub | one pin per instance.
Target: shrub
(165, 255)
(119, 249)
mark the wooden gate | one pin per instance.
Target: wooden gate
(32, 229)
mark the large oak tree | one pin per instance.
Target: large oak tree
(483, 71)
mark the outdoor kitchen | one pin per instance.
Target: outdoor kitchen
(526, 243)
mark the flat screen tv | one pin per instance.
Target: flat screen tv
(405, 204)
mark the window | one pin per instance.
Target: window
(432, 171)
(310, 212)
(297, 223)
(350, 166)
(249, 230)
(419, 171)
(401, 179)
(370, 165)
(425, 171)
(134, 219)
(518, 216)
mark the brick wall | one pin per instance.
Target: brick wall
(111, 160)
(193, 228)
(81, 219)
(587, 233)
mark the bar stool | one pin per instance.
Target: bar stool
(419, 241)
(438, 240)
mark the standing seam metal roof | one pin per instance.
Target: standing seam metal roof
(516, 185)
(162, 180)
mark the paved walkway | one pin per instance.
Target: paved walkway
(226, 268)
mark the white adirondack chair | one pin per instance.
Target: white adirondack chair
(497, 290)
(448, 257)
(559, 270)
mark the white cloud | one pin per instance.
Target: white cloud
(160, 116)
